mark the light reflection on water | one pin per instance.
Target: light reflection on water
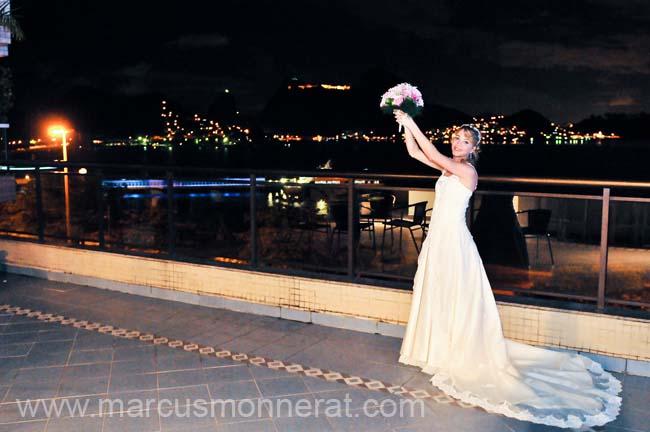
(280, 195)
(214, 195)
(273, 199)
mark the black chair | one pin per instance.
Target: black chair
(304, 220)
(382, 205)
(419, 213)
(538, 221)
(425, 223)
(365, 217)
(380, 209)
(339, 214)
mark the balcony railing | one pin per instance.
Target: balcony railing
(579, 242)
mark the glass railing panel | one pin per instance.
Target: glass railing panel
(136, 211)
(18, 217)
(70, 206)
(628, 266)
(539, 246)
(212, 217)
(302, 224)
(393, 221)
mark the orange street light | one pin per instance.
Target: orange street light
(60, 130)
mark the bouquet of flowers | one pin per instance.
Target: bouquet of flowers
(404, 97)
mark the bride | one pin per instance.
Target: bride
(454, 331)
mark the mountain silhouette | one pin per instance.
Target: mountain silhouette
(223, 108)
(634, 126)
(528, 120)
(314, 109)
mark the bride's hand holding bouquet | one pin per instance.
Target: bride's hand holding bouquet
(403, 119)
(403, 97)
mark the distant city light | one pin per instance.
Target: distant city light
(323, 86)
(335, 87)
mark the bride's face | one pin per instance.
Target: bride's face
(462, 143)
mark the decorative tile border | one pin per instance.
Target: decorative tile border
(256, 360)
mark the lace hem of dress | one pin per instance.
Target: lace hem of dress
(611, 411)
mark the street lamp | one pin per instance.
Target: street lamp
(60, 130)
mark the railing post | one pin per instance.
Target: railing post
(585, 218)
(4, 140)
(352, 227)
(253, 217)
(101, 208)
(39, 206)
(604, 248)
(171, 227)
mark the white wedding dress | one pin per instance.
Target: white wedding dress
(454, 333)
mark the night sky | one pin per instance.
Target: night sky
(566, 59)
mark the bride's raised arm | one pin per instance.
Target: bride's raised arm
(437, 159)
(415, 152)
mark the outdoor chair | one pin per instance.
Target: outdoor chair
(381, 205)
(419, 213)
(379, 209)
(425, 223)
(304, 220)
(538, 221)
(339, 214)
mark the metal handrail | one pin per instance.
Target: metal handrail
(567, 182)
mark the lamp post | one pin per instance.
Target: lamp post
(58, 130)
